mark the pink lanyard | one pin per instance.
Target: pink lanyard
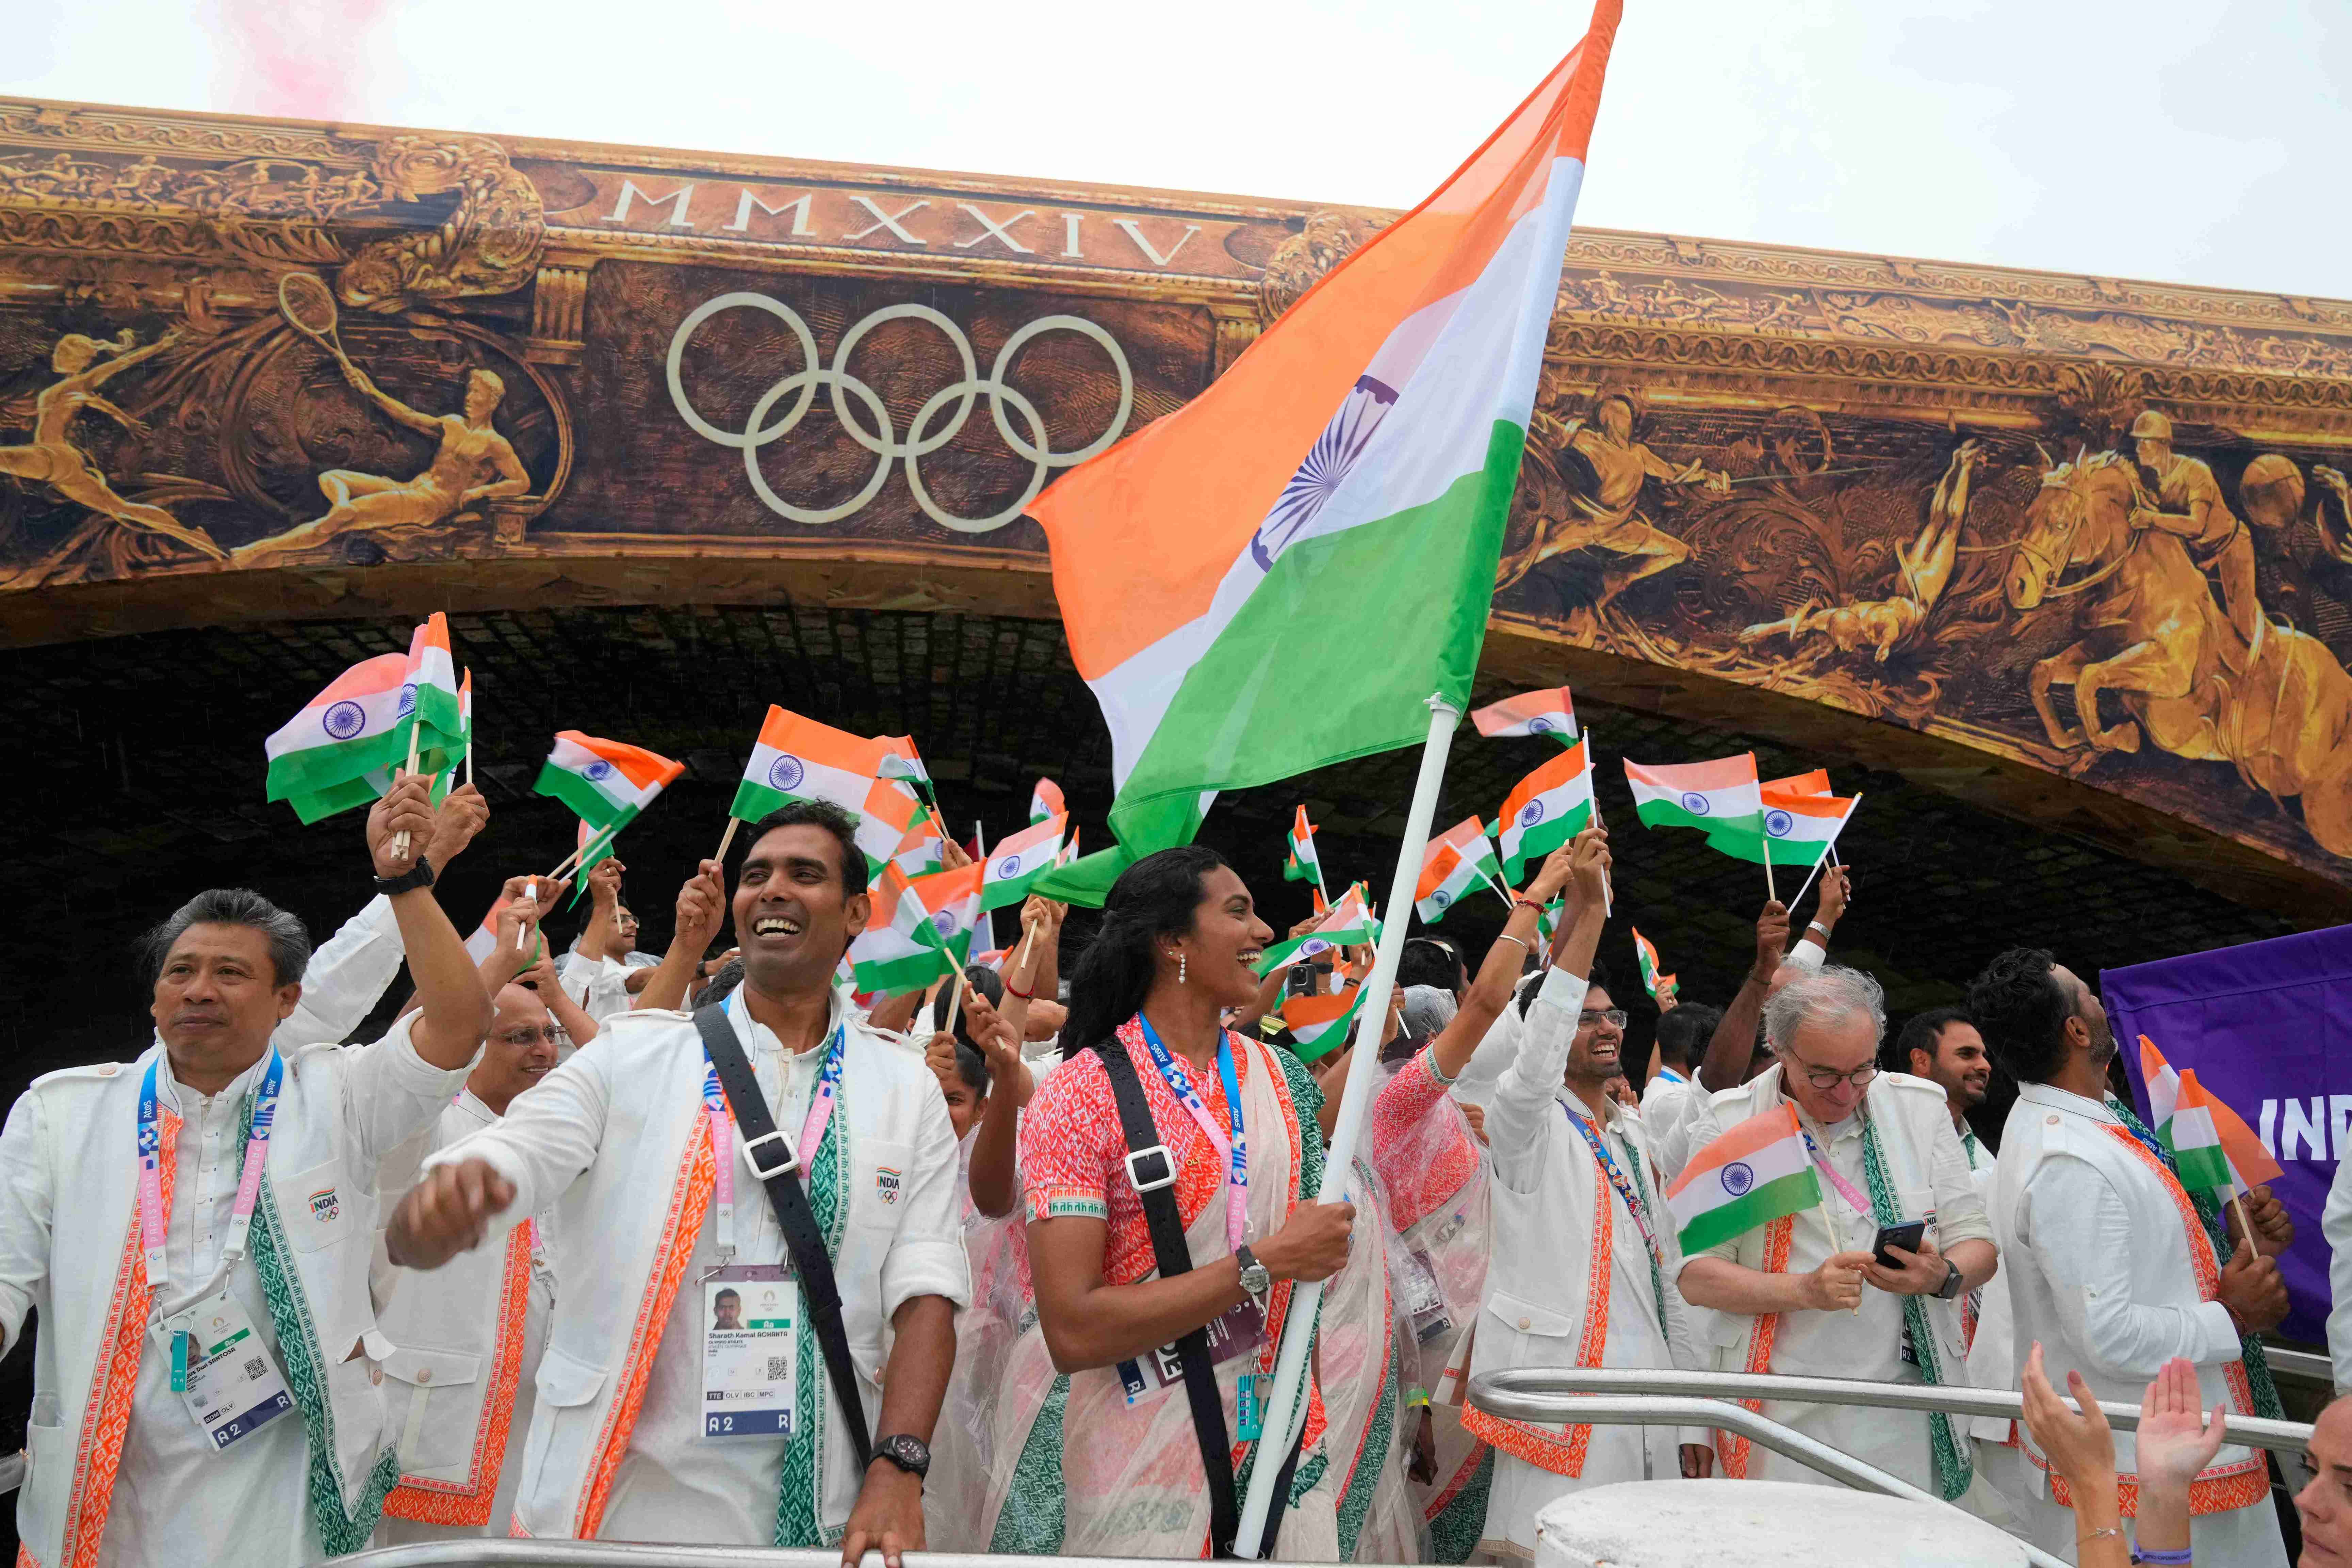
(1854, 1200)
(154, 1232)
(722, 1125)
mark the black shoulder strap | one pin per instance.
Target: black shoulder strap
(777, 1166)
(1152, 1169)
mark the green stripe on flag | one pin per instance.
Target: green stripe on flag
(587, 802)
(1427, 574)
(316, 806)
(754, 800)
(908, 972)
(1543, 838)
(314, 769)
(1759, 1205)
(2203, 1168)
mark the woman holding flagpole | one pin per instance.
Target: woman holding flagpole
(1106, 1442)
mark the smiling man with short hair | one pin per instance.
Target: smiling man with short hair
(641, 1436)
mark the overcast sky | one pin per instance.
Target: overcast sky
(2195, 143)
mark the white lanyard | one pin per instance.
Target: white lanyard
(154, 1224)
(722, 1126)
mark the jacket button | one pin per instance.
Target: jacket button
(1523, 1325)
(2052, 1122)
(424, 1374)
(375, 1374)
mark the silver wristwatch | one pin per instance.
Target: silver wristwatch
(1256, 1279)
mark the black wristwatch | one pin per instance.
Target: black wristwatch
(1950, 1288)
(417, 876)
(911, 1455)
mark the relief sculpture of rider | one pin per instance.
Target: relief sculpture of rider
(2188, 504)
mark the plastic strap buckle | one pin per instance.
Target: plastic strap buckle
(751, 1159)
(1167, 1176)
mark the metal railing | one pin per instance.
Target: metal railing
(1558, 1395)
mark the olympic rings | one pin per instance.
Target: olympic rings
(879, 438)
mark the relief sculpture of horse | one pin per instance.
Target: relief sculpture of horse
(2280, 708)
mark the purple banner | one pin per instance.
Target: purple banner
(2268, 1026)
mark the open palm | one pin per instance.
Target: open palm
(2176, 1439)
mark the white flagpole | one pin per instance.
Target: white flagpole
(1592, 773)
(1287, 1411)
(980, 841)
(1832, 856)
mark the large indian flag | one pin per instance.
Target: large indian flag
(1550, 806)
(1353, 469)
(1720, 799)
(1752, 1175)
(350, 730)
(800, 759)
(606, 782)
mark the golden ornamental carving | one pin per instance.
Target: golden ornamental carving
(111, 127)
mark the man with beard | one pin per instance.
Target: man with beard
(2111, 1268)
(661, 1206)
(1575, 1182)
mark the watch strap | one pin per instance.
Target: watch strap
(419, 875)
(909, 1453)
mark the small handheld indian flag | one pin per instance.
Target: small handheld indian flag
(1550, 806)
(1720, 799)
(1319, 1020)
(919, 852)
(951, 901)
(350, 730)
(430, 701)
(1800, 826)
(2196, 1124)
(1547, 714)
(1457, 861)
(485, 940)
(1303, 864)
(1647, 957)
(606, 782)
(1016, 863)
(590, 844)
(800, 759)
(899, 760)
(1348, 924)
(1752, 1175)
(1046, 801)
(898, 950)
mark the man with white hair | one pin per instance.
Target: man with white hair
(1803, 1294)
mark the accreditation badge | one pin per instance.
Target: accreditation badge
(222, 1373)
(750, 1342)
(1238, 1331)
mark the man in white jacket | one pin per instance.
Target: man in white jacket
(1584, 1257)
(194, 1229)
(1803, 1295)
(634, 1434)
(467, 1339)
(2110, 1267)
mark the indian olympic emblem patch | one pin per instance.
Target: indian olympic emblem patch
(886, 1183)
(325, 1207)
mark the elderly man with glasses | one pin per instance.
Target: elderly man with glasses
(1803, 1294)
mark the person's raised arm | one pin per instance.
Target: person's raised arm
(604, 910)
(1734, 1045)
(2082, 1449)
(511, 949)
(701, 913)
(1047, 982)
(995, 1152)
(1490, 992)
(457, 1012)
(570, 1016)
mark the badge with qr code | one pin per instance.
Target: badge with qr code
(750, 1342)
(223, 1372)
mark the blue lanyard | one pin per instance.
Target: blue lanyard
(1633, 1205)
(154, 1224)
(1235, 1144)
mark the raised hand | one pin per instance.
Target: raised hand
(1771, 939)
(405, 808)
(460, 815)
(1590, 863)
(2175, 1441)
(2076, 1440)
(446, 1214)
(701, 905)
(605, 880)
(1837, 887)
(1553, 874)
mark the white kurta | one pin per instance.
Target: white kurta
(1547, 1182)
(434, 1422)
(2100, 1275)
(600, 986)
(2336, 1224)
(1930, 1176)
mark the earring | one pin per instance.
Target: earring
(1179, 969)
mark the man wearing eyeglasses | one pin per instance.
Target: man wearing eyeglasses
(1576, 1186)
(1803, 1295)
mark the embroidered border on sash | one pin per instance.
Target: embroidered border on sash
(1730, 1446)
(468, 1502)
(1563, 1452)
(689, 1199)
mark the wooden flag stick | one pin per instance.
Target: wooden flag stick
(1608, 892)
(726, 838)
(602, 838)
(955, 1000)
(1021, 959)
(400, 839)
(2245, 1225)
